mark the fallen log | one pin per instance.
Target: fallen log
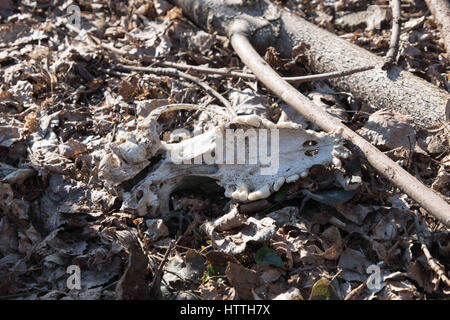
(271, 25)
(441, 13)
(239, 30)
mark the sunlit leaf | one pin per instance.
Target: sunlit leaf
(323, 290)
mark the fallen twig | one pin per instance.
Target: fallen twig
(171, 72)
(206, 70)
(326, 76)
(391, 55)
(353, 295)
(156, 282)
(232, 73)
(441, 12)
(433, 264)
(429, 200)
(431, 261)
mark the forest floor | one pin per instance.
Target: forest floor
(72, 122)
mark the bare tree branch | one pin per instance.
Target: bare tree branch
(178, 74)
(429, 200)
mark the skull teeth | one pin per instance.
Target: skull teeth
(337, 162)
(241, 193)
(278, 183)
(262, 193)
(292, 178)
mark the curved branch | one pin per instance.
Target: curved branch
(271, 25)
(424, 196)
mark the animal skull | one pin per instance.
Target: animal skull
(294, 149)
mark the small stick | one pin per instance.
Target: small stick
(391, 55)
(433, 264)
(249, 76)
(231, 73)
(156, 282)
(424, 196)
(326, 76)
(206, 70)
(356, 292)
(171, 72)
(431, 261)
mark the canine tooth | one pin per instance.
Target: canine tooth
(241, 193)
(278, 184)
(292, 178)
(262, 193)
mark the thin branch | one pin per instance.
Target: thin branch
(206, 70)
(431, 261)
(231, 73)
(326, 76)
(391, 55)
(156, 282)
(249, 76)
(434, 265)
(353, 295)
(429, 200)
(171, 72)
